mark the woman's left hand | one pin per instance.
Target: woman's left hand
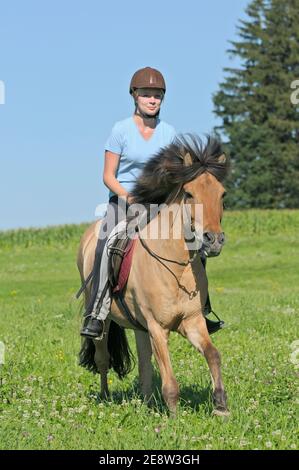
(130, 199)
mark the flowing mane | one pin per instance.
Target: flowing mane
(164, 174)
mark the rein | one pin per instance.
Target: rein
(160, 259)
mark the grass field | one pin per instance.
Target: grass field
(48, 402)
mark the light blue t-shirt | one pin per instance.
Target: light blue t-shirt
(127, 141)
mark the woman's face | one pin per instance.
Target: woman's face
(149, 100)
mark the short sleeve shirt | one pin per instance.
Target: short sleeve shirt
(126, 140)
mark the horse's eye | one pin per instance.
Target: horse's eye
(188, 195)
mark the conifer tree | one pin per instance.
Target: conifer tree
(259, 120)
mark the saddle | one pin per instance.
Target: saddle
(119, 265)
(120, 261)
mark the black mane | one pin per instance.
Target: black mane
(165, 173)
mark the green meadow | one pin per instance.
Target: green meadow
(48, 402)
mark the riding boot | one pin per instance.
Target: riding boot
(212, 326)
(208, 306)
(93, 328)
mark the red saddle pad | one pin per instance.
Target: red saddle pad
(125, 266)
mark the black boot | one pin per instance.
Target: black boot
(212, 326)
(93, 328)
(208, 306)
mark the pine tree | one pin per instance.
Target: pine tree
(254, 104)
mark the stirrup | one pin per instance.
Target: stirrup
(93, 331)
(214, 326)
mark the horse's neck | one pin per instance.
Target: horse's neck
(165, 234)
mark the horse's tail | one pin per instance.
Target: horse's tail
(121, 357)
(86, 355)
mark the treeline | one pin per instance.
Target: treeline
(236, 224)
(258, 107)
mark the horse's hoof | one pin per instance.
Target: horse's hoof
(221, 412)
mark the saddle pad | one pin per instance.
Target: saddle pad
(125, 266)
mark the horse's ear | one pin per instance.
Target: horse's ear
(188, 159)
(222, 158)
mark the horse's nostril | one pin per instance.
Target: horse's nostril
(221, 238)
(209, 237)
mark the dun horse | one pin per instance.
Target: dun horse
(167, 285)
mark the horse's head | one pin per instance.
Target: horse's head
(190, 172)
(204, 195)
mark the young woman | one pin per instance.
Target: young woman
(131, 143)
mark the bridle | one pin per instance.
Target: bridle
(161, 259)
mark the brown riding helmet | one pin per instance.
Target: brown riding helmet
(147, 78)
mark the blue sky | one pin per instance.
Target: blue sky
(66, 66)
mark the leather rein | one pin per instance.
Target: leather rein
(161, 259)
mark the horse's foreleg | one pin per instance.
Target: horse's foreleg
(195, 330)
(101, 358)
(159, 342)
(144, 352)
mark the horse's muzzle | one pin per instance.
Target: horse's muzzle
(212, 243)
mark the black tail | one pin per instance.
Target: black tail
(121, 357)
(86, 355)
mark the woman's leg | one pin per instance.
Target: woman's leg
(93, 326)
(212, 326)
